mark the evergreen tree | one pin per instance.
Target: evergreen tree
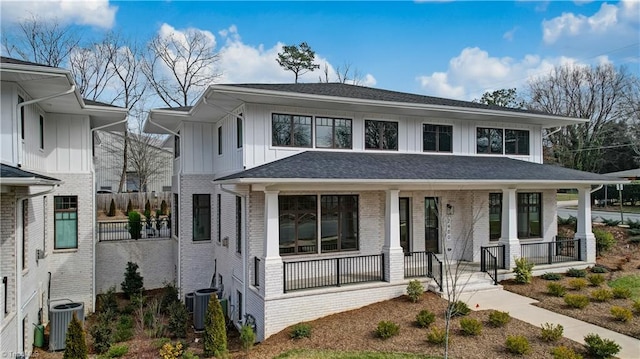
(76, 344)
(215, 334)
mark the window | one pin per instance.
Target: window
(41, 133)
(339, 223)
(238, 224)
(66, 222)
(25, 223)
(516, 142)
(333, 132)
(436, 138)
(166, 188)
(298, 224)
(239, 131)
(489, 140)
(21, 100)
(380, 135)
(220, 140)
(291, 130)
(239, 294)
(45, 221)
(201, 217)
(176, 145)
(529, 215)
(495, 216)
(219, 217)
(176, 217)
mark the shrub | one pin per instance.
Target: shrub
(459, 309)
(107, 301)
(599, 269)
(160, 342)
(76, 345)
(425, 318)
(563, 352)
(551, 276)
(550, 332)
(636, 306)
(247, 337)
(147, 207)
(518, 344)
(609, 222)
(178, 320)
(133, 281)
(576, 273)
(164, 208)
(470, 326)
(601, 295)
(112, 208)
(523, 271)
(577, 283)
(621, 293)
(169, 296)
(124, 329)
(556, 289)
(499, 319)
(576, 300)
(621, 314)
(300, 330)
(215, 334)
(135, 225)
(436, 335)
(117, 351)
(169, 351)
(633, 225)
(604, 240)
(595, 279)
(101, 332)
(387, 329)
(189, 355)
(415, 290)
(600, 348)
(570, 221)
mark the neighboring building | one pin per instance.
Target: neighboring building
(347, 191)
(47, 196)
(628, 174)
(155, 162)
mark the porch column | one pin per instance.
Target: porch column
(584, 232)
(393, 254)
(510, 227)
(273, 272)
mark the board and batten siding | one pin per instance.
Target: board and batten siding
(70, 139)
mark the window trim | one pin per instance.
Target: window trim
(380, 147)
(55, 222)
(207, 236)
(333, 132)
(293, 145)
(540, 207)
(437, 144)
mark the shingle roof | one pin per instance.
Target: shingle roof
(98, 103)
(323, 165)
(10, 60)
(7, 172)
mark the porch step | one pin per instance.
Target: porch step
(468, 282)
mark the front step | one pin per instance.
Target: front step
(468, 282)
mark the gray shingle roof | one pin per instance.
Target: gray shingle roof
(10, 60)
(7, 171)
(407, 166)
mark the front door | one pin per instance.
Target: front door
(405, 224)
(431, 225)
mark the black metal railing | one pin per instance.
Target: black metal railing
(256, 271)
(332, 272)
(558, 251)
(124, 230)
(492, 258)
(423, 264)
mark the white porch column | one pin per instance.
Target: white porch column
(394, 256)
(584, 232)
(273, 272)
(510, 227)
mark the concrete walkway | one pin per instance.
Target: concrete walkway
(520, 307)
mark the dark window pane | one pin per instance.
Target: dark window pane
(201, 217)
(482, 140)
(281, 130)
(495, 216)
(381, 135)
(324, 132)
(496, 141)
(444, 138)
(529, 215)
(298, 224)
(342, 133)
(429, 138)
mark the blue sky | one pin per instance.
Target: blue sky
(456, 49)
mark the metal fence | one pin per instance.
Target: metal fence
(138, 200)
(423, 264)
(558, 251)
(491, 259)
(125, 230)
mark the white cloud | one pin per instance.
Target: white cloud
(97, 13)
(510, 34)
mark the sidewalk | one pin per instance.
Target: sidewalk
(521, 308)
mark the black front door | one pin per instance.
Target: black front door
(431, 225)
(405, 224)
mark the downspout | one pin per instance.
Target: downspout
(18, 253)
(26, 103)
(245, 245)
(597, 188)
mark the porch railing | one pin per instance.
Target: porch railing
(332, 272)
(491, 259)
(121, 230)
(423, 264)
(558, 251)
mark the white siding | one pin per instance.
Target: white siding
(70, 139)
(8, 125)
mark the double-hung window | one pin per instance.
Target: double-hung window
(66, 222)
(201, 217)
(380, 135)
(333, 132)
(436, 138)
(291, 130)
(529, 215)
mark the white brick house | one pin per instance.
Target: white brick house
(303, 200)
(47, 196)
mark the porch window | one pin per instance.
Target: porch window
(239, 131)
(495, 216)
(489, 140)
(66, 222)
(516, 142)
(298, 224)
(436, 138)
(291, 130)
(339, 226)
(529, 215)
(333, 132)
(201, 217)
(380, 135)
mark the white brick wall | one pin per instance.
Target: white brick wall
(8, 322)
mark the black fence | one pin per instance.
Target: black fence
(423, 264)
(558, 251)
(125, 230)
(332, 272)
(491, 259)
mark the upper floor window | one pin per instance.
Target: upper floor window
(176, 145)
(499, 141)
(41, 133)
(239, 131)
(516, 142)
(333, 132)
(220, 140)
(489, 140)
(291, 130)
(66, 222)
(380, 135)
(436, 138)
(201, 217)
(21, 100)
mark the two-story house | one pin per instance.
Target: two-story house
(302, 200)
(47, 249)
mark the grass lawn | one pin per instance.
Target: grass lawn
(631, 282)
(566, 196)
(329, 354)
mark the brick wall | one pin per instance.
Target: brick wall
(8, 322)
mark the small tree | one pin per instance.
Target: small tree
(215, 334)
(135, 225)
(164, 207)
(133, 281)
(297, 59)
(247, 337)
(112, 208)
(147, 207)
(76, 345)
(129, 207)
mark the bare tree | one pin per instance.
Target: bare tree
(145, 155)
(92, 70)
(344, 74)
(180, 65)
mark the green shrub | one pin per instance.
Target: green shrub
(518, 344)
(523, 271)
(436, 335)
(551, 276)
(415, 290)
(107, 302)
(633, 225)
(459, 309)
(600, 348)
(577, 283)
(595, 279)
(135, 225)
(160, 342)
(147, 207)
(189, 355)
(621, 314)
(387, 329)
(133, 281)
(576, 300)
(470, 326)
(164, 208)
(425, 318)
(178, 320)
(117, 351)
(609, 222)
(556, 289)
(601, 295)
(550, 332)
(621, 293)
(169, 296)
(570, 221)
(300, 330)
(599, 269)
(499, 319)
(604, 240)
(101, 332)
(75, 342)
(112, 208)
(129, 207)
(576, 273)
(215, 333)
(636, 306)
(124, 329)
(563, 352)
(247, 337)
